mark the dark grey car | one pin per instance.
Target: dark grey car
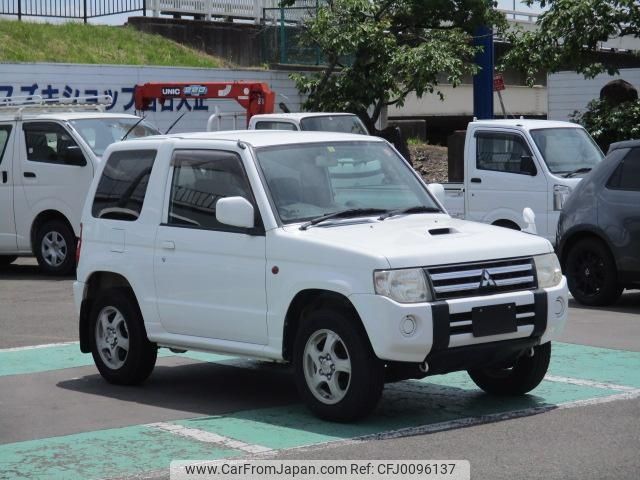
(599, 229)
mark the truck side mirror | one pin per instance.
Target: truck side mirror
(73, 156)
(527, 165)
(235, 211)
(530, 221)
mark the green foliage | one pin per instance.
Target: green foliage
(96, 44)
(394, 46)
(610, 123)
(569, 34)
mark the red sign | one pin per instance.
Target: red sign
(498, 83)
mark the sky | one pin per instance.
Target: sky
(121, 19)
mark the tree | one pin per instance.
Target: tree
(609, 122)
(378, 51)
(569, 34)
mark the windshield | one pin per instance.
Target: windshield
(99, 133)
(567, 150)
(334, 123)
(310, 180)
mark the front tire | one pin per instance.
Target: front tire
(337, 374)
(55, 248)
(525, 375)
(591, 272)
(119, 344)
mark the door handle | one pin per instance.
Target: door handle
(168, 245)
(476, 180)
(5, 178)
(29, 175)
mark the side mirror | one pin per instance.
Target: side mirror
(437, 190)
(235, 211)
(530, 221)
(527, 165)
(74, 156)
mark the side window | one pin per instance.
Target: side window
(503, 152)
(275, 126)
(5, 133)
(627, 175)
(50, 143)
(123, 185)
(200, 179)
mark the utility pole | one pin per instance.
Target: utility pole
(483, 80)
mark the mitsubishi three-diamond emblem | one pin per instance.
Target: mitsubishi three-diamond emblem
(486, 281)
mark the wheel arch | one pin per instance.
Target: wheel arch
(305, 301)
(97, 282)
(577, 234)
(41, 219)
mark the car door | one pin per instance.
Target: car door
(7, 218)
(619, 214)
(210, 277)
(503, 179)
(53, 174)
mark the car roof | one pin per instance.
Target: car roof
(266, 138)
(624, 144)
(301, 115)
(525, 123)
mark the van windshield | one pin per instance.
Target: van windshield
(307, 181)
(334, 123)
(99, 133)
(567, 150)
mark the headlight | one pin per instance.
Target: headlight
(548, 270)
(560, 195)
(404, 286)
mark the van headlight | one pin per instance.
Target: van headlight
(408, 285)
(560, 195)
(548, 270)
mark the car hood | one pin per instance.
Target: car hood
(422, 240)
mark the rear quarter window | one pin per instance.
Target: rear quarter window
(123, 185)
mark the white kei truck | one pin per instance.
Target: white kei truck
(49, 153)
(323, 250)
(513, 164)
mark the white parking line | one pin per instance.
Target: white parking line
(34, 347)
(590, 383)
(208, 437)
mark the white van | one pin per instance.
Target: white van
(48, 156)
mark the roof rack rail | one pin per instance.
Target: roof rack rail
(20, 104)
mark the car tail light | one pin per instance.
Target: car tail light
(79, 246)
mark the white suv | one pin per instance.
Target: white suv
(320, 249)
(48, 155)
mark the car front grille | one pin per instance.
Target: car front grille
(485, 278)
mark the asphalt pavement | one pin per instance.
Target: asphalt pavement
(59, 419)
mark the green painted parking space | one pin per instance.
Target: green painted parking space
(578, 375)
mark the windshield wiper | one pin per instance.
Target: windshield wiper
(131, 129)
(578, 170)
(351, 212)
(414, 209)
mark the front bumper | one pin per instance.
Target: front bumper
(446, 325)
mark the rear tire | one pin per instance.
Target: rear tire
(336, 372)
(525, 375)
(591, 273)
(119, 344)
(55, 248)
(6, 260)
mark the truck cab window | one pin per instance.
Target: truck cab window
(5, 133)
(275, 126)
(51, 143)
(503, 152)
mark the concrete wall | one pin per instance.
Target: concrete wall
(237, 43)
(58, 80)
(569, 91)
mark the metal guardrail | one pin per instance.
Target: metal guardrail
(79, 9)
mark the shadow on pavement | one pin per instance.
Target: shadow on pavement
(629, 302)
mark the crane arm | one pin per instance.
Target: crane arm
(255, 97)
